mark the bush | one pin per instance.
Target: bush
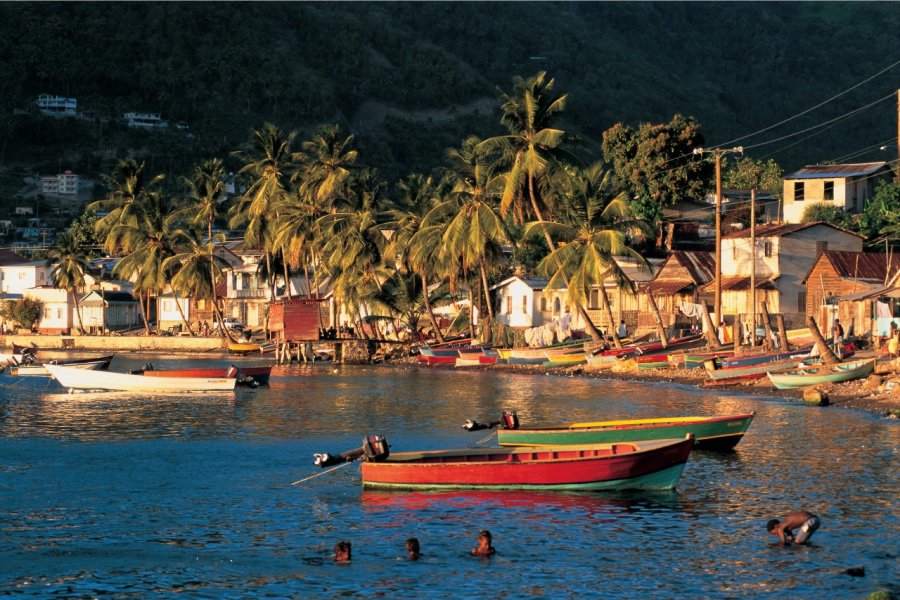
(25, 312)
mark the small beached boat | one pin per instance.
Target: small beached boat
(710, 433)
(839, 373)
(747, 360)
(557, 359)
(79, 379)
(100, 363)
(475, 361)
(250, 347)
(650, 465)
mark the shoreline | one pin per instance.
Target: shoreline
(867, 395)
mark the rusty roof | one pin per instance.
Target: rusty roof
(666, 287)
(837, 171)
(875, 267)
(730, 284)
(783, 229)
(700, 265)
(8, 257)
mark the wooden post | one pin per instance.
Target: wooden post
(712, 339)
(764, 306)
(782, 332)
(736, 334)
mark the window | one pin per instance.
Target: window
(734, 251)
(543, 304)
(59, 313)
(524, 304)
(767, 249)
(801, 300)
(594, 299)
(821, 247)
(167, 306)
(799, 191)
(829, 190)
(556, 306)
(509, 305)
(21, 274)
(46, 313)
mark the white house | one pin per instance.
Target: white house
(57, 106)
(58, 316)
(520, 301)
(110, 310)
(845, 186)
(63, 184)
(167, 311)
(15, 278)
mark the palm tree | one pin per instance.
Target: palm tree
(267, 161)
(205, 195)
(127, 191)
(69, 262)
(593, 229)
(149, 238)
(195, 268)
(326, 162)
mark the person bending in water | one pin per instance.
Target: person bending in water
(342, 551)
(804, 522)
(412, 548)
(484, 547)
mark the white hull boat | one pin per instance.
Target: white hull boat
(80, 379)
(95, 365)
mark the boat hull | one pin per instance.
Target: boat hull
(835, 374)
(79, 379)
(260, 374)
(654, 465)
(710, 433)
(40, 370)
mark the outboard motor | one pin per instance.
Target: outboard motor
(508, 420)
(232, 371)
(375, 448)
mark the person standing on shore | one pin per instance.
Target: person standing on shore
(805, 523)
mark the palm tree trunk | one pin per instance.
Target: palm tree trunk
(659, 323)
(287, 279)
(306, 277)
(143, 313)
(604, 299)
(487, 293)
(588, 324)
(78, 313)
(181, 312)
(828, 357)
(430, 310)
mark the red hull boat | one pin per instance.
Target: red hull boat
(259, 374)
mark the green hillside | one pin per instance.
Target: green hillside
(413, 79)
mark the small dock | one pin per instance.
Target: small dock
(342, 350)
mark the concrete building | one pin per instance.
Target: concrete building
(846, 186)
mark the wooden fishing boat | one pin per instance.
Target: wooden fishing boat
(536, 356)
(95, 364)
(259, 374)
(759, 359)
(600, 361)
(476, 361)
(751, 371)
(696, 360)
(652, 361)
(650, 347)
(440, 360)
(840, 373)
(710, 433)
(649, 465)
(250, 347)
(80, 379)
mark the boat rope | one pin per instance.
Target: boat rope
(486, 438)
(14, 383)
(331, 470)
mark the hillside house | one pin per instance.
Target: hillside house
(677, 281)
(63, 184)
(845, 186)
(58, 316)
(57, 106)
(520, 302)
(836, 275)
(17, 277)
(783, 256)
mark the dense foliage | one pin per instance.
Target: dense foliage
(411, 80)
(24, 311)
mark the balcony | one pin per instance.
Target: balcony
(248, 293)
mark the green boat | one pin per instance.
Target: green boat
(710, 433)
(828, 374)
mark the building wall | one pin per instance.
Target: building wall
(16, 279)
(167, 314)
(850, 193)
(519, 305)
(737, 255)
(58, 310)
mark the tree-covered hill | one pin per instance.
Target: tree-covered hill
(411, 79)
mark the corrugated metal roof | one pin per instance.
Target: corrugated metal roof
(666, 287)
(871, 266)
(782, 230)
(741, 283)
(8, 257)
(700, 265)
(837, 171)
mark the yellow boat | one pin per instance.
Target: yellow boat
(248, 347)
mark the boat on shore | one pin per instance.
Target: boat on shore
(648, 465)
(710, 433)
(79, 379)
(251, 347)
(839, 373)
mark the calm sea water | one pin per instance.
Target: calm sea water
(121, 495)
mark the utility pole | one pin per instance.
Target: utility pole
(753, 267)
(897, 170)
(719, 153)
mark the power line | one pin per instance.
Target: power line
(808, 110)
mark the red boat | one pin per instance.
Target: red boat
(651, 346)
(645, 465)
(259, 374)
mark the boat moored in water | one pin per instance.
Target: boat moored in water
(80, 379)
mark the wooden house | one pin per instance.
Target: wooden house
(845, 285)
(112, 311)
(783, 256)
(844, 186)
(520, 301)
(677, 282)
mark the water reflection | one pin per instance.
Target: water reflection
(172, 494)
